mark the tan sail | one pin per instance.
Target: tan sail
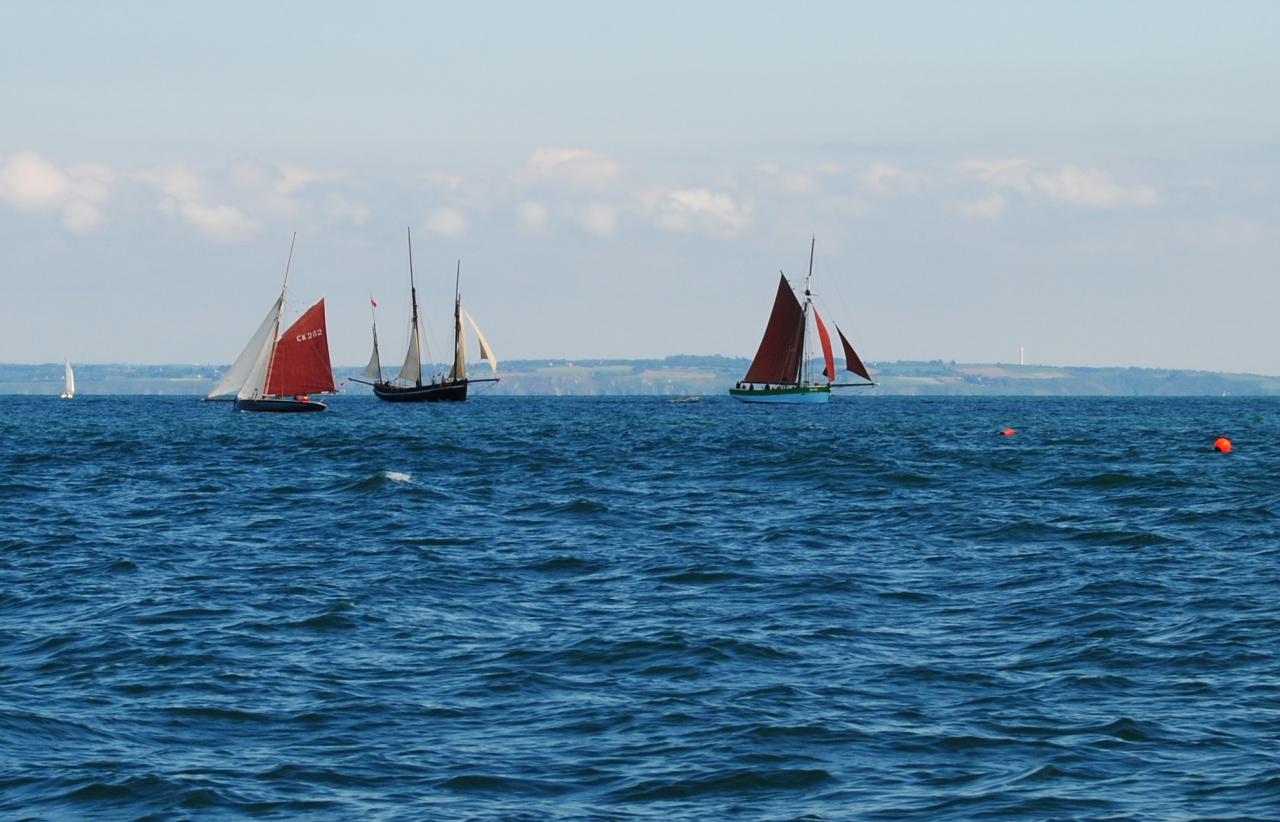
(486, 353)
(459, 370)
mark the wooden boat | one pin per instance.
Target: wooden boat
(279, 372)
(408, 385)
(781, 371)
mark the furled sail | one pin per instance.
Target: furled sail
(486, 353)
(781, 349)
(238, 373)
(830, 371)
(70, 379)
(459, 370)
(851, 359)
(300, 364)
(373, 371)
(411, 371)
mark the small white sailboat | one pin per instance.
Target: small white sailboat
(69, 385)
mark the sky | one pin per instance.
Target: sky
(1097, 182)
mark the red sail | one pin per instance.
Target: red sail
(825, 339)
(851, 361)
(778, 359)
(300, 364)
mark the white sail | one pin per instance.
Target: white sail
(486, 353)
(255, 384)
(459, 371)
(411, 371)
(373, 371)
(238, 373)
(70, 380)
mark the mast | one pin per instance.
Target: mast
(284, 289)
(413, 296)
(373, 314)
(808, 301)
(459, 355)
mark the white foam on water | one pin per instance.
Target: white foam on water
(396, 476)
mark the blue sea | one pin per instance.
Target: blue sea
(590, 608)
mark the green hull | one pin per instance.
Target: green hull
(794, 395)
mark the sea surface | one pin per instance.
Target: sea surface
(564, 608)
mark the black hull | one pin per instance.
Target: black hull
(438, 392)
(279, 406)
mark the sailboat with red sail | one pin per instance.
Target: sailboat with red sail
(279, 372)
(782, 370)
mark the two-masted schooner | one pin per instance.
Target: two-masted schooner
(280, 372)
(408, 385)
(782, 370)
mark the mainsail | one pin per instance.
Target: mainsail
(70, 380)
(459, 370)
(830, 371)
(851, 360)
(238, 373)
(300, 363)
(373, 371)
(486, 353)
(781, 349)
(411, 371)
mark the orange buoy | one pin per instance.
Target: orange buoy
(1222, 444)
(1008, 432)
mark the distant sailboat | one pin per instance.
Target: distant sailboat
(407, 386)
(69, 384)
(780, 371)
(279, 372)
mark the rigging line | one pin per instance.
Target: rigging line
(840, 304)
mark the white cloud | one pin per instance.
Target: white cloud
(446, 222)
(599, 219)
(81, 216)
(1085, 187)
(885, 178)
(1001, 173)
(250, 176)
(445, 180)
(1093, 188)
(222, 223)
(185, 197)
(692, 210)
(294, 177)
(578, 167)
(179, 181)
(29, 182)
(341, 208)
(983, 208)
(790, 182)
(532, 217)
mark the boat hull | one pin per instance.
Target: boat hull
(280, 406)
(455, 391)
(792, 395)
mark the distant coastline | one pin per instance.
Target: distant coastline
(686, 375)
